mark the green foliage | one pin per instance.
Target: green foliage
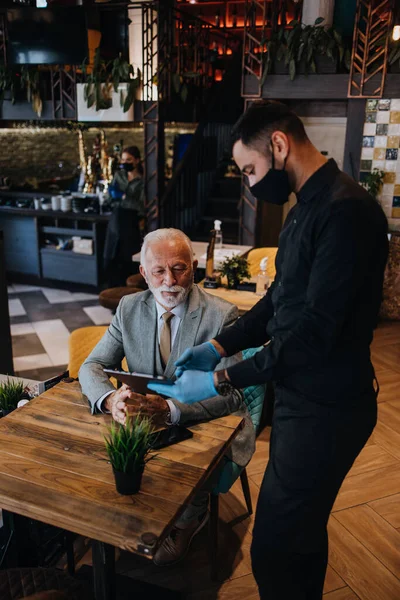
(373, 182)
(10, 394)
(104, 77)
(128, 445)
(236, 269)
(301, 44)
(25, 79)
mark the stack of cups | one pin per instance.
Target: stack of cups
(66, 203)
(56, 202)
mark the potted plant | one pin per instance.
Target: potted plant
(11, 392)
(26, 79)
(373, 182)
(236, 269)
(108, 91)
(304, 49)
(128, 448)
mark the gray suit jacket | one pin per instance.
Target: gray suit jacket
(133, 334)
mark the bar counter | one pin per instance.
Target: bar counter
(27, 257)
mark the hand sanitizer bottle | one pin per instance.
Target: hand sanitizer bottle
(262, 278)
(218, 234)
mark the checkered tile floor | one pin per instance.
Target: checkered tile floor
(41, 321)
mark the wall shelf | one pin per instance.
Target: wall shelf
(67, 231)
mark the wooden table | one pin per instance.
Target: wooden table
(54, 468)
(242, 299)
(200, 249)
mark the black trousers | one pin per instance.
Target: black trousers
(312, 448)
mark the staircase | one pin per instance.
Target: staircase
(222, 204)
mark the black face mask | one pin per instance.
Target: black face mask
(128, 167)
(274, 187)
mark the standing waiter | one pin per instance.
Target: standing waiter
(317, 323)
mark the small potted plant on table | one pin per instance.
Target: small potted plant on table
(236, 269)
(11, 392)
(128, 448)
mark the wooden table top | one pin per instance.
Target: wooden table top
(242, 299)
(54, 468)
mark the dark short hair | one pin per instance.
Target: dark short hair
(261, 119)
(133, 151)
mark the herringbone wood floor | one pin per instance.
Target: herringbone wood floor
(364, 529)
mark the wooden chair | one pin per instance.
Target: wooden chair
(254, 398)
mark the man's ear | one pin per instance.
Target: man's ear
(143, 273)
(195, 265)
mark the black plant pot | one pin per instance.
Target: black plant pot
(4, 412)
(232, 283)
(128, 483)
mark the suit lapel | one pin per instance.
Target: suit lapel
(149, 323)
(186, 337)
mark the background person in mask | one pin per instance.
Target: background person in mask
(127, 223)
(127, 186)
(316, 322)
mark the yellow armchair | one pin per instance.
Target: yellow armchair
(81, 342)
(254, 258)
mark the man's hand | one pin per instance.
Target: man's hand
(116, 403)
(192, 386)
(151, 406)
(199, 358)
(125, 402)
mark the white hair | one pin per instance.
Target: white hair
(164, 235)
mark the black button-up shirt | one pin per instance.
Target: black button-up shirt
(319, 314)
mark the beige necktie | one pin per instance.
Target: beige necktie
(165, 337)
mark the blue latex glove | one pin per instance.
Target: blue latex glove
(192, 386)
(200, 358)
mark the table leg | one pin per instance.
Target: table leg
(103, 558)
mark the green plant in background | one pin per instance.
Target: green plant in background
(25, 79)
(373, 182)
(236, 269)
(11, 393)
(104, 76)
(128, 445)
(301, 45)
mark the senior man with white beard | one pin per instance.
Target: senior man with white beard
(152, 329)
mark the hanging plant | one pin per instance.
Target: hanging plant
(104, 77)
(300, 47)
(26, 79)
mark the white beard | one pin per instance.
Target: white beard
(172, 301)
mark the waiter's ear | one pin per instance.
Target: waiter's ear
(281, 144)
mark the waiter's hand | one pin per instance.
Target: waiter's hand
(200, 358)
(192, 386)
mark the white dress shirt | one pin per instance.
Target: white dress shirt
(175, 322)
